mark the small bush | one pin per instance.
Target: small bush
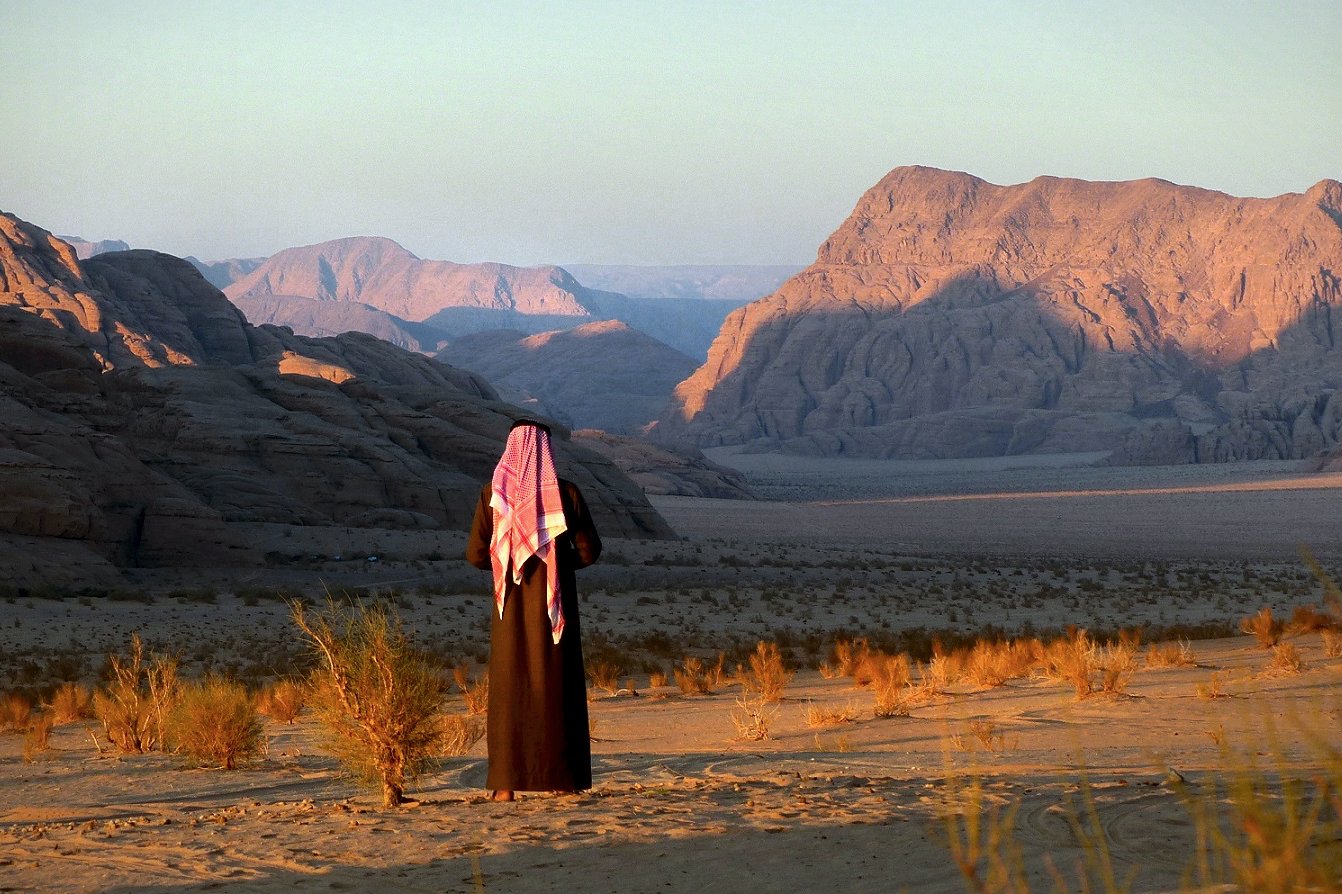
(1265, 628)
(378, 697)
(15, 711)
(133, 706)
(1072, 659)
(768, 676)
(1171, 654)
(818, 717)
(283, 701)
(1332, 643)
(993, 663)
(1117, 662)
(1285, 661)
(657, 679)
(458, 732)
(215, 721)
(70, 702)
(1214, 688)
(474, 689)
(605, 676)
(753, 717)
(692, 677)
(889, 684)
(37, 737)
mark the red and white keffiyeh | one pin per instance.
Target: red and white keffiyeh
(528, 517)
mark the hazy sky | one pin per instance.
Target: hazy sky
(639, 133)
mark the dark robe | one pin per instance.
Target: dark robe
(538, 734)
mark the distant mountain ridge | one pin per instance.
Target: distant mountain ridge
(146, 421)
(949, 316)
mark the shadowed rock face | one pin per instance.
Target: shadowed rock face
(952, 317)
(599, 375)
(144, 415)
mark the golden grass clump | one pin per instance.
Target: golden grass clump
(1072, 659)
(1285, 661)
(215, 721)
(1117, 663)
(133, 706)
(37, 737)
(692, 677)
(817, 716)
(940, 673)
(283, 700)
(767, 676)
(605, 676)
(849, 656)
(990, 664)
(1214, 688)
(1265, 628)
(1332, 643)
(753, 717)
(457, 733)
(889, 685)
(70, 702)
(474, 689)
(378, 697)
(1171, 654)
(15, 711)
(657, 679)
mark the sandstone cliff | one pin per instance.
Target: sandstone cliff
(598, 375)
(952, 317)
(145, 419)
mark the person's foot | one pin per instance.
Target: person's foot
(501, 796)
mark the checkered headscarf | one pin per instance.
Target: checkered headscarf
(528, 517)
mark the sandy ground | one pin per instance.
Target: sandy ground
(680, 804)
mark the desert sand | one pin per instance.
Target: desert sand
(680, 801)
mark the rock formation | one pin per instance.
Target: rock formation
(146, 420)
(86, 249)
(952, 317)
(667, 471)
(599, 375)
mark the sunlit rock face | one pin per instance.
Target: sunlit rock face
(145, 418)
(950, 317)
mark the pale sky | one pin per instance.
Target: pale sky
(629, 133)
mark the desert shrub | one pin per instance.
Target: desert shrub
(1214, 688)
(283, 700)
(1117, 662)
(604, 675)
(1072, 659)
(378, 697)
(215, 721)
(752, 717)
(1178, 653)
(767, 676)
(717, 674)
(1285, 660)
(1307, 619)
(889, 684)
(657, 678)
(692, 677)
(133, 706)
(473, 688)
(70, 702)
(15, 711)
(1265, 628)
(848, 656)
(819, 716)
(993, 663)
(457, 733)
(1332, 643)
(37, 736)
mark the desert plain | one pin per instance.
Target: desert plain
(1110, 791)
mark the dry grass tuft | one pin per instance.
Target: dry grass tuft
(889, 684)
(215, 721)
(1332, 643)
(819, 717)
(767, 676)
(71, 702)
(692, 677)
(605, 676)
(1214, 688)
(1171, 654)
(1265, 628)
(457, 733)
(753, 717)
(15, 711)
(1072, 659)
(474, 689)
(134, 705)
(283, 701)
(1285, 661)
(376, 694)
(1117, 663)
(657, 679)
(37, 737)
(848, 655)
(991, 664)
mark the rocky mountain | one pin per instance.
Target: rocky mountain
(147, 423)
(86, 249)
(951, 317)
(667, 471)
(599, 375)
(224, 273)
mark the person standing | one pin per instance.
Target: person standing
(533, 531)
